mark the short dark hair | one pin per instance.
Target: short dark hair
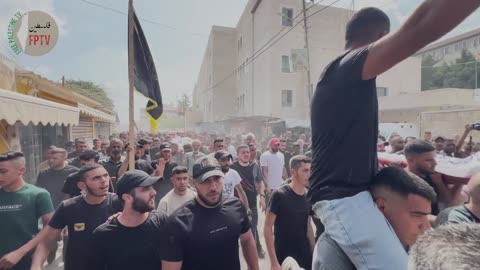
(241, 146)
(8, 156)
(217, 141)
(365, 24)
(179, 170)
(80, 141)
(89, 154)
(417, 147)
(85, 169)
(403, 183)
(96, 140)
(296, 161)
(283, 140)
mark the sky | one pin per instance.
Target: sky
(93, 40)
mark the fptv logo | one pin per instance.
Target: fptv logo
(34, 33)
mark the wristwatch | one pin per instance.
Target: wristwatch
(249, 212)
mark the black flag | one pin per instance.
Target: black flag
(145, 75)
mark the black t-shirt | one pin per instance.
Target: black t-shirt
(144, 165)
(435, 207)
(115, 246)
(456, 215)
(112, 167)
(163, 186)
(344, 118)
(290, 231)
(207, 238)
(53, 181)
(287, 156)
(82, 219)
(249, 180)
(75, 162)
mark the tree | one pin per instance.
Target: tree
(183, 104)
(460, 74)
(92, 91)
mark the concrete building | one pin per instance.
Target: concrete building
(443, 111)
(243, 83)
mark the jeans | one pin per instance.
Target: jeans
(362, 232)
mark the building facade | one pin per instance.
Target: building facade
(247, 81)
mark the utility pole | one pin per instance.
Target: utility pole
(305, 26)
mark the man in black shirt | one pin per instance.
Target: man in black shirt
(464, 213)
(204, 233)
(421, 162)
(344, 118)
(165, 185)
(54, 177)
(134, 239)
(140, 164)
(80, 147)
(252, 183)
(113, 163)
(70, 187)
(82, 215)
(291, 215)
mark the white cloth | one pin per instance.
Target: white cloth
(172, 201)
(232, 151)
(275, 163)
(230, 180)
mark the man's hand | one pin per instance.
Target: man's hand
(263, 205)
(468, 128)
(160, 167)
(11, 259)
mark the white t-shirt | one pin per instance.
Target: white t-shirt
(172, 201)
(230, 180)
(275, 163)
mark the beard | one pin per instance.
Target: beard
(208, 203)
(225, 169)
(92, 192)
(142, 206)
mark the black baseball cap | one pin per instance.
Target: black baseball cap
(133, 179)
(439, 138)
(222, 154)
(165, 147)
(206, 167)
(143, 141)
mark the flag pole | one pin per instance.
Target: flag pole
(131, 108)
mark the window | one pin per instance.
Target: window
(382, 91)
(287, 98)
(285, 63)
(239, 43)
(287, 16)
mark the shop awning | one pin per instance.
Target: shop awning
(102, 116)
(18, 107)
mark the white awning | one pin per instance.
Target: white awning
(96, 113)
(18, 107)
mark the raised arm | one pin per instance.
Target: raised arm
(430, 21)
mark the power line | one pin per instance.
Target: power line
(141, 19)
(254, 56)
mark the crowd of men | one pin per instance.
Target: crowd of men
(328, 202)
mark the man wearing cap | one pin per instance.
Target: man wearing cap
(273, 166)
(381, 145)
(146, 144)
(164, 186)
(140, 164)
(231, 180)
(134, 239)
(81, 215)
(439, 143)
(204, 233)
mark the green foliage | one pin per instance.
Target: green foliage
(92, 91)
(460, 74)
